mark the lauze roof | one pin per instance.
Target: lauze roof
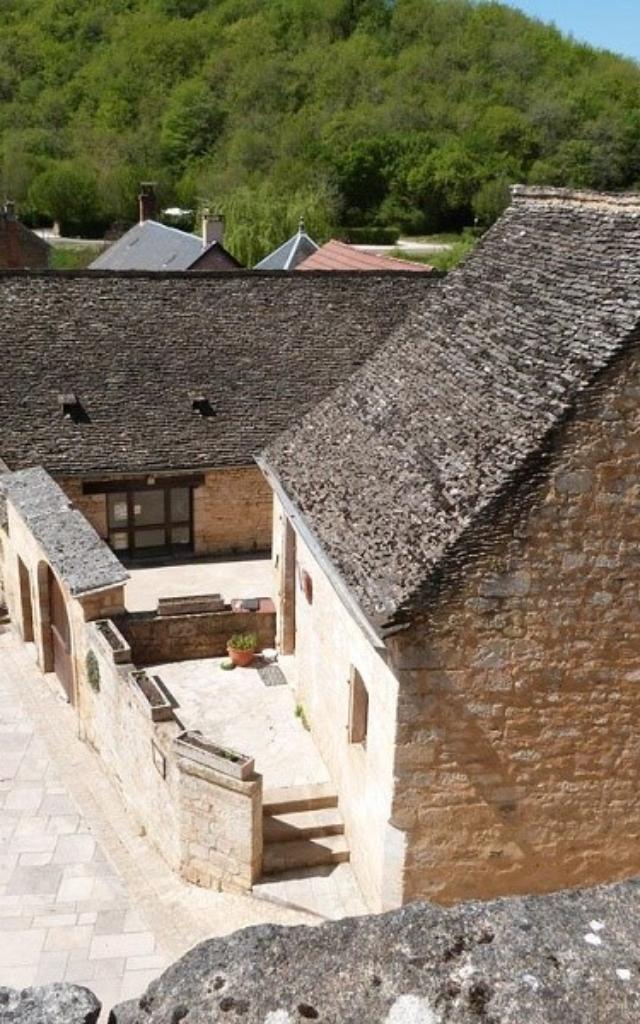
(140, 372)
(392, 470)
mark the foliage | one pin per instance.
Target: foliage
(301, 715)
(413, 113)
(93, 671)
(243, 642)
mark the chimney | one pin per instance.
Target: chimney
(212, 228)
(147, 201)
(14, 260)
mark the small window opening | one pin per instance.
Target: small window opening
(358, 708)
(202, 406)
(72, 408)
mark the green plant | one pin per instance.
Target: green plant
(302, 715)
(243, 642)
(93, 671)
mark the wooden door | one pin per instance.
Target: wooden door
(61, 637)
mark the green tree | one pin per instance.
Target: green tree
(67, 193)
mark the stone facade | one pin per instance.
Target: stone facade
(194, 815)
(518, 750)
(328, 645)
(231, 511)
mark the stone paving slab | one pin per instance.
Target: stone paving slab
(83, 895)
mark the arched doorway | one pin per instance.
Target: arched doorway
(60, 637)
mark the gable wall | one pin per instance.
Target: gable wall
(26, 250)
(518, 757)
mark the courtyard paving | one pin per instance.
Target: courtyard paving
(239, 577)
(83, 896)
(237, 710)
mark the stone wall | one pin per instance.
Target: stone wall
(231, 512)
(328, 645)
(221, 825)
(206, 824)
(518, 746)
(136, 751)
(155, 639)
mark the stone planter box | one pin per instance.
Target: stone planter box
(193, 746)
(151, 696)
(111, 638)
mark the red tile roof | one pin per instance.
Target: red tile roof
(336, 255)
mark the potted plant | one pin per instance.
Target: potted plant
(242, 648)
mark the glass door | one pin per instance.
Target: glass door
(150, 522)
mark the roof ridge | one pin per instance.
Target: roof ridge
(523, 194)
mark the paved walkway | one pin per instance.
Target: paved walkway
(83, 896)
(235, 577)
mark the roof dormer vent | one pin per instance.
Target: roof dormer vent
(72, 407)
(201, 405)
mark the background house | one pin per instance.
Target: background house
(20, 248)
(150, 245)
(292, 252)
(147, 395)
(458, 555)
(335, 255)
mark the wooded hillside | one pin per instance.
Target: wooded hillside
(415, 113)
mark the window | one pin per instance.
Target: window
(358, 708)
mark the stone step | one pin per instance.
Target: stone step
(305, 853)
(287, 828)
(288, 799)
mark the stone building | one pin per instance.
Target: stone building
(20, 248)
(147, 396)
(457, 546)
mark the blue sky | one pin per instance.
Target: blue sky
(612, 24)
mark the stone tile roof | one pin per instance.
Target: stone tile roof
(137, 350)
(290, 253)
(73, 548)
(393, 471)
(153, 246)
(335, 255)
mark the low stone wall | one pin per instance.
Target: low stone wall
(221, 822)
(205, 823)
(155, 639)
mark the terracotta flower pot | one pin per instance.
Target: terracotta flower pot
(241, 658)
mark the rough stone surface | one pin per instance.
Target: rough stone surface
(405, 460)
(49, 1004)
(137, 349)
(570, 958)
(73, 548)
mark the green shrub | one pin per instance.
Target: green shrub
(243, 642)
(93, 671)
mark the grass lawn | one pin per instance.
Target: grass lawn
(73, 257)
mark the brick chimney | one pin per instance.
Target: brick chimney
(212, 228)
(13, 256)
(147, 201)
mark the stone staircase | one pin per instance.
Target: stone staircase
(302, 829)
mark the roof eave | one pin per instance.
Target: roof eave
(299, 522)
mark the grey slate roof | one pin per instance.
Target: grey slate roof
(290, 253)
(152, 246)
(137, 348)
(393, 470)
(72, 546)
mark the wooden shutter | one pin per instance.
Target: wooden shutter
(358, 708)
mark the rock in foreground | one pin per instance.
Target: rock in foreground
(568, 958)
(49, 1004)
